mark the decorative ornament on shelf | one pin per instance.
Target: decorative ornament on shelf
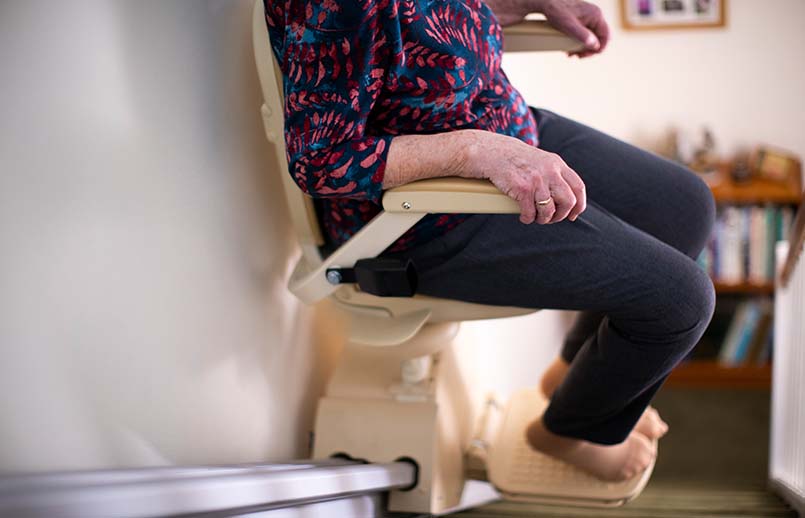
(705, 156)
(741, 170)
(701, 156)
(775, 165)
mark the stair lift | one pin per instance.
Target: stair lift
(396, 394)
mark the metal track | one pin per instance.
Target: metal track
(203, 490)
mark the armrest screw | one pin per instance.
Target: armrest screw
(406, 205)
(334, 277)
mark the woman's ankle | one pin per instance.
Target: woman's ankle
(553, 376)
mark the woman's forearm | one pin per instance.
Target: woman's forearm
(540, 182)
(418, 157)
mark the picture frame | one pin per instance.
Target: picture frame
(672, 14)
(775, 165)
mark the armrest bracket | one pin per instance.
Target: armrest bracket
(404, 207)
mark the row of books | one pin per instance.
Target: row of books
(749, 336)
(741, 247)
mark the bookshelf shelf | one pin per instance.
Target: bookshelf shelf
(746, 288)
(710, 374)
(756, 190)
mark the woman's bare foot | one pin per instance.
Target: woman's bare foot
(613, 463)
(650, 424)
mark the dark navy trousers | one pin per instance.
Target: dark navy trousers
(627, 263)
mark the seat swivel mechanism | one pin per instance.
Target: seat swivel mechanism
(381, 276)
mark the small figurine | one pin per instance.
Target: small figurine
(741, 170)
(705, 158)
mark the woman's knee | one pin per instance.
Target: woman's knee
(676, 307)
(689, 302)
(697, 207)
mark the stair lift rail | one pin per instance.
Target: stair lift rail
(204, 490)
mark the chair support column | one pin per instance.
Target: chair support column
(374, 411)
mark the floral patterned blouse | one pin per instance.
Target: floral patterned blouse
(358, 72)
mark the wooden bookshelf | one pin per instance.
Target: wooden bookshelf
(710, 374)
(744, 288)
(755, 190)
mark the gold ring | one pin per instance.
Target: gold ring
(545, 202)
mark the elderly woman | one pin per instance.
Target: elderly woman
(380, 93)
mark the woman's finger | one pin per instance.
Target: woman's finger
(563, 199)
(576, 185)
(545, 204)
(528, 212)
(572, 26)
(601, 29)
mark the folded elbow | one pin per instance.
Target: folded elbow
(318, 181)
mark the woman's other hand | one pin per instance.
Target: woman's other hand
(526, 174)
(578, 19)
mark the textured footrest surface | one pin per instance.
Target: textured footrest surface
(520, 473)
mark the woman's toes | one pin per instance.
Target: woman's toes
(642, 453)
(609, 462)
(651, 424)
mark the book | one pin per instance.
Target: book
(762, 333)
(729, 346)
(748, 330)
(771, 236)
(758, 246)
(731, 245)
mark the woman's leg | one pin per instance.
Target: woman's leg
(658, 196)
(657, 301)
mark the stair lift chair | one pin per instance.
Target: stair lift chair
(396, 393)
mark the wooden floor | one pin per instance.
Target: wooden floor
(657, 501)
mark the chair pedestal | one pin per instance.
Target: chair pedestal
(369, 412)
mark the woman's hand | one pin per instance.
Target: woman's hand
(526, 174)
(578, 19)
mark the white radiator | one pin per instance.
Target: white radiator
(787, 454)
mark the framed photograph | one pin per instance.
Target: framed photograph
(776, 165)
(672, 14)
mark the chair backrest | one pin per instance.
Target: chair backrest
(303, 215)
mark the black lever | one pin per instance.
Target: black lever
(381, 276)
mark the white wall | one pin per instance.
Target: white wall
(143, 314)
(746, 81)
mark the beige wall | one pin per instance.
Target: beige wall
(746, 82)
(143, 315)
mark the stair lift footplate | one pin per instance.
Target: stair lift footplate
(522, 474)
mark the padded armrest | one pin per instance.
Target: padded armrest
(536, 36)
(449, 195)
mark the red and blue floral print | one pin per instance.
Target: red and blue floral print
(356, 73)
